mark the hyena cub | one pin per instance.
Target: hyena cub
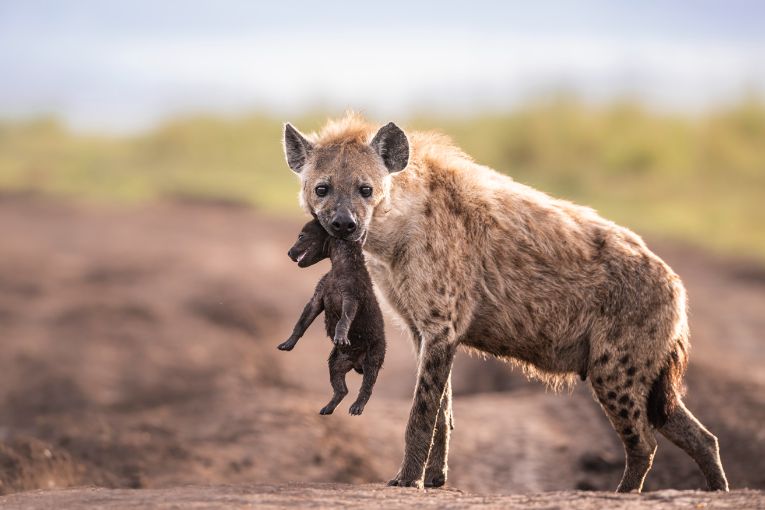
(351, 312)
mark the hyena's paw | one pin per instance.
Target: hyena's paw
(401, 481)
(435, 472)
(435, 480)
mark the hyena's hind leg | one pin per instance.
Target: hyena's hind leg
(339, 365)
(684, 430)
(621, 392)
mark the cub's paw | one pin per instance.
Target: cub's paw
(286, 346)
(356, 409)
(341, 340)
(327, 410)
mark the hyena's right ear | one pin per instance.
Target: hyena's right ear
(296, 148)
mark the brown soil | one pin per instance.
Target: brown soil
(139, 351)
(301, 495)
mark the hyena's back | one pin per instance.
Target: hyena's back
(562, 289)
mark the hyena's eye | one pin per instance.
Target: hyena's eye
(366, 191)
(322, 190)
(301, 236)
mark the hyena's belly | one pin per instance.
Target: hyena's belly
(563, 351)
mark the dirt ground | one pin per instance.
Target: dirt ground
(139, 351)
(300, 495)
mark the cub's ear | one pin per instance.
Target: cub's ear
(392, 146)
(296, 148)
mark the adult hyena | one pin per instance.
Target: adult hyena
(470, 257)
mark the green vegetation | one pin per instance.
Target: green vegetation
(701, 179)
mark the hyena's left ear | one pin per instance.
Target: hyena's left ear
(296, 148)
(392, 146)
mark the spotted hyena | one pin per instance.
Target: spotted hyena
(469, 257)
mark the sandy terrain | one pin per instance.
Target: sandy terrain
(139, 351)
(299, 495)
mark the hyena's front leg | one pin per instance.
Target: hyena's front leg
(436, 472)
(437, 465)
(435, 363)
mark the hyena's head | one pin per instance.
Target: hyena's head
(346, 175)
(311, 246)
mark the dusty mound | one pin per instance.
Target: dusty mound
(28, 463)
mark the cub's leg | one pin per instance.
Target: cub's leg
(371, 367)
(312, 310)
(339, 365)
(350, 307)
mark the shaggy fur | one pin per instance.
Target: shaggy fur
(351, 313)
(469, 257)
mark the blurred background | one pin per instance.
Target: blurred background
(146, 211)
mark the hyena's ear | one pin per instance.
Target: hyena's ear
(296, 148)
(392, 146)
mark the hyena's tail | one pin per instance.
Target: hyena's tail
(668, 386)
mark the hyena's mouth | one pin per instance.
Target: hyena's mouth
(358, 236)
(354, 237)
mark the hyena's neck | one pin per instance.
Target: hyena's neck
(392, 223)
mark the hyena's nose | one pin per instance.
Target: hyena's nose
(343, 224)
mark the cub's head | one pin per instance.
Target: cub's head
(311, 245)
(345, 171)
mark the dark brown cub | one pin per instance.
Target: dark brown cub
(351, 312)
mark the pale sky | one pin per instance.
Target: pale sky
(124, 66)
